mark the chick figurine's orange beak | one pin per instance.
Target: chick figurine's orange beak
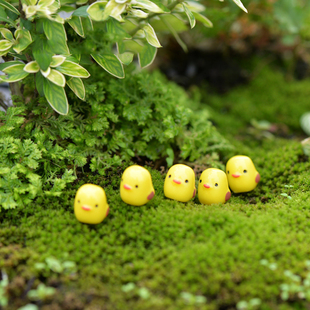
(241, 174)
(180, 183)
(136, 186)
(213, 187)
(90, 204)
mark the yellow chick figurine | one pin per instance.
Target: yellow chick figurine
(180, 183)
(136, 186)
(241, 174)
(90, 204)
(213, 187)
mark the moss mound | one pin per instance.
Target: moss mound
(267, 97)
(167, 247)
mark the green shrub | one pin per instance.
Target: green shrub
(142, 116)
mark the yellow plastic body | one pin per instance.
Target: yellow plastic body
(213, 187)
(241, 174)
(90, 204)
(136, 186)
(180, 183)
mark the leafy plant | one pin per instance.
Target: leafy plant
(285, 194)
(35, 41)
(55, 265)
(22, 160)
(193, 299)
(42, 292)
(253, 303)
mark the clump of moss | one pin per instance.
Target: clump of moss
(168, 247)
(267, 97)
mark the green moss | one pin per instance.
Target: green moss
(267, 97)
(170, 247)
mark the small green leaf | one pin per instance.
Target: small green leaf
(7, 34)
(5, 45)
(114, 10)
(96, 10)
(81, 11)
(131, 46)
(46, 72)
(56, 34)
(76, 23)
(32, 67)
(73, 69)
(147, 55)
(14, 68)
(23, 40)
(9, 64)
(126, 58)
(161, 6)
(111, 64)
(203, 19)
(42, 53)
(57, 78)
(240, 5)
(56, 97)
(45, 3)
(9, 6)
(77, 86)
(149, 5)
(57, 60)
(128, 287)
(194, 6)
(5, 18)
(190, 16)
(14, 73)
(150, 35)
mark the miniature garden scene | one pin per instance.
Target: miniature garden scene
(154, 154)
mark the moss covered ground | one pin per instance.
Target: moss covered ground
(171, 255)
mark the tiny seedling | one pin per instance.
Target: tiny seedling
(253, 303)
(42, 292)
(285, 194)
(193, 299)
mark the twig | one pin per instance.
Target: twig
(3, 105)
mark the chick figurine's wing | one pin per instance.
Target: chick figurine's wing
(90, 204)
(180, 183)
(241, 174)
(213, 187)
(136, 186)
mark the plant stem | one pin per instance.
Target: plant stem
(3, 105)
(15, 90)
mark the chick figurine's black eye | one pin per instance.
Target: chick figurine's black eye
(137, 186)
(79, 201)
(96, 206)
(186, 181)
(245, 171)
(200, 181)
(228, 172)
(169, 176)
(216, 184)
